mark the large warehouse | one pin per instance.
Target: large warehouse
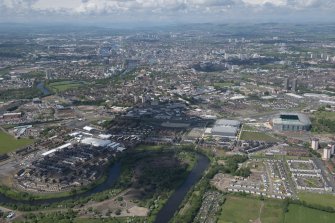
(291, 122)
(225, 128)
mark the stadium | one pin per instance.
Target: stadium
(291, 122)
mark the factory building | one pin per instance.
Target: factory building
(96, 142)
(226, 122)
(225, 128)
(224, 131)
(11, 116)
(293, 122)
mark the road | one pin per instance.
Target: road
(327, 176)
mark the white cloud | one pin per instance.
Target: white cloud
(263, 2)
(163, 8)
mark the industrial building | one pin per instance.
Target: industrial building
(96, 142)
(10, 116)
(224, 131)
(226, 122)
(225, 128)
(291, 122)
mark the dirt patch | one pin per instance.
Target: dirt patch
(138, 211)
(118, 206)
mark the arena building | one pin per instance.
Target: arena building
(224, 128)
(291, 122)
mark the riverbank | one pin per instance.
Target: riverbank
(157, 187)
(114, 172)
(175, 200)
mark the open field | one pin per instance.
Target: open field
(259, 136)
(300, 214)
(325, 114)
(222, 85)
(323, 122)
(246, 210)
(149, 147)
(248, 127)
(268, 211)
(8, 143)
(272, 212)
(65, 85)
(92, 220)
(320, 199)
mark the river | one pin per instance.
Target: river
(113, 174)
(173, 203)
(164, 215)
(43, 89)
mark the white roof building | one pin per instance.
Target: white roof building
(95, 142)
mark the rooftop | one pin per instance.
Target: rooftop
(291, 118)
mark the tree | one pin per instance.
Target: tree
(243, 172)
(118, 211)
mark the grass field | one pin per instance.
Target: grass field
(300, 214)
(222, 85)
(111, 220)
(320, 199)
(324, 114)
(260, 136)
(323, 122)
(245, 210)
(65, 85)
(8, 143)
(248, 127)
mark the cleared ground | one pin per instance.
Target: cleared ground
(8, 143)
(300, 214)
(258, 136)
(249, 127)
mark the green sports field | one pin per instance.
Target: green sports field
(61, 86)
(8, 143)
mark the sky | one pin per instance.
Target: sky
(165, 11)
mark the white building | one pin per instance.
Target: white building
(326, 153)
(96, 142)
(315, 144)
(332, 148)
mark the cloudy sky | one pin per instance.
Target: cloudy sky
(166, 11)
